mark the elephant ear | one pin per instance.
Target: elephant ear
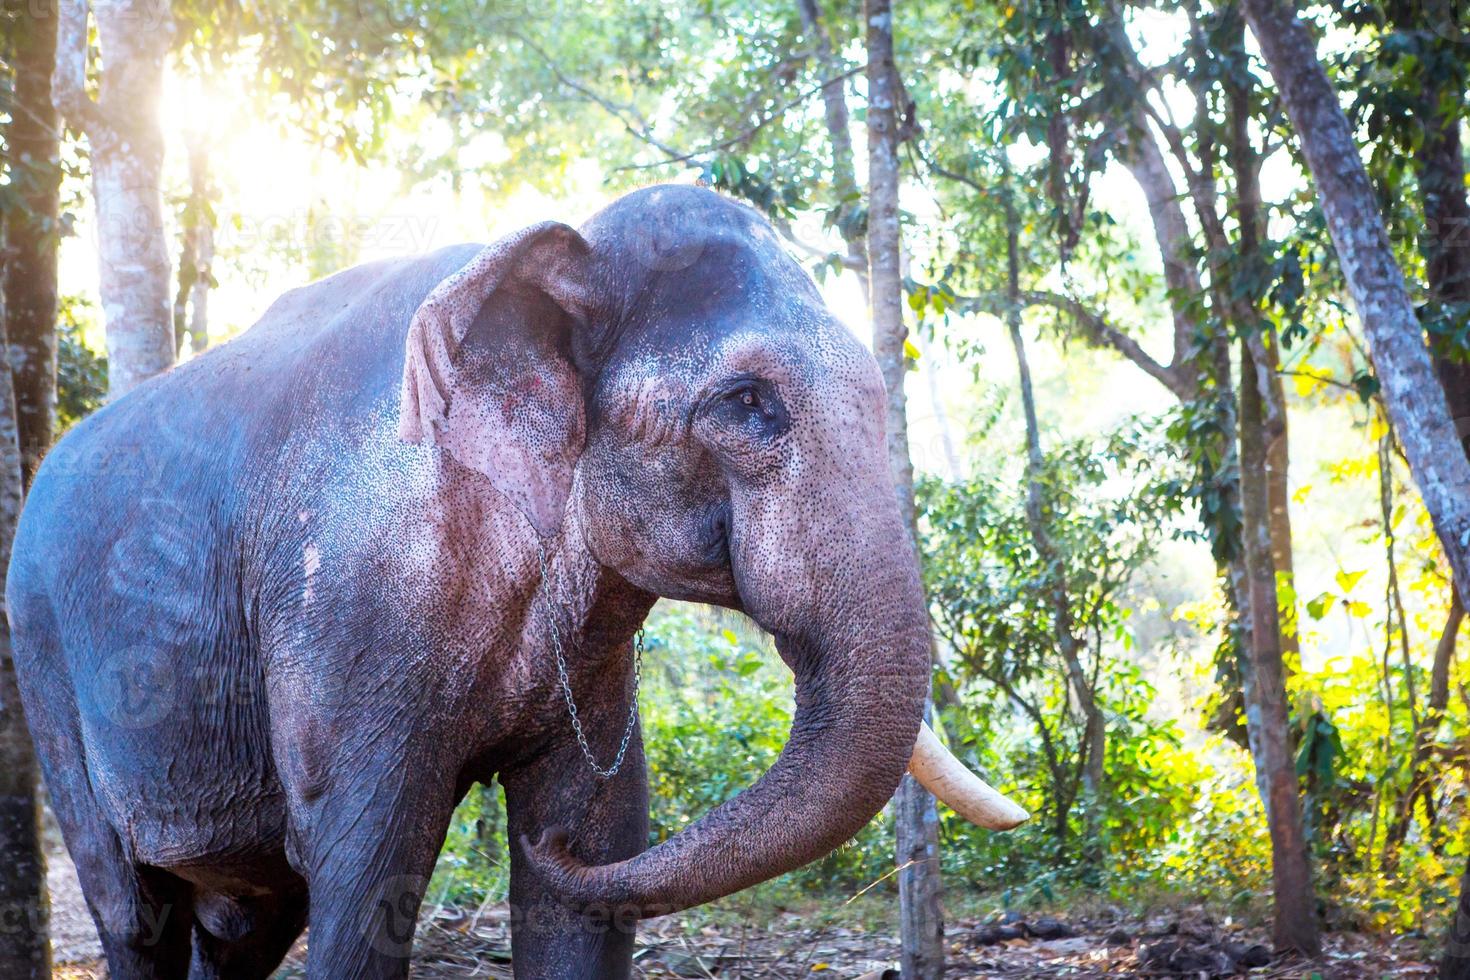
(487, 372)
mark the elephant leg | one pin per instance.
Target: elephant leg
(143, 914)
(371, 847)
(606, 820)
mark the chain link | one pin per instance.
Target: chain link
(566, 685)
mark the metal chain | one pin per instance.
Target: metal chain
(566, 684)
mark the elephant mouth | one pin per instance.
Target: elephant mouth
(716, 535)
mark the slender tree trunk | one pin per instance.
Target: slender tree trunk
(188, 265)
(1278, 496)
(839, 131)
(27, 404)
(199, 294)
(1245, 302)
(24, 947)
(25, 952)
(1295, 925)
(34, 138)
(1265, 531)
(196, 255)
(1445, 243)
(126, 145)
(1094, 736)
(917, 819)
(1401, 359)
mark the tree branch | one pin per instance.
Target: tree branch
(1095, 328)
(750, 131)
(69, 80)
(1139, 153)
(816, 251)
(625, 113)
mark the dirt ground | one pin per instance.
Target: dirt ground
(455, 942)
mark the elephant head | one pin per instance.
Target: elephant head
(671, 373)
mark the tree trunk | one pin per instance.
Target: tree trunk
(1278, 495)
(1400, 357)
(126, 145)
(196, 256)
(199, 294)
(24, 948)
(834, 108)
(1094, 736)
(25, 952)
(27, 404)
(1295, 925)
(916, 818)
(1265, 533)
(31, 235)
(1248, 266)
(1445, 242)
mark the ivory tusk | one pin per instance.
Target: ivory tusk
(938, 771)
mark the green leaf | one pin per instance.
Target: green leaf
(1322, 605)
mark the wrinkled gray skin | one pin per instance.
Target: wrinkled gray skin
(276, 611)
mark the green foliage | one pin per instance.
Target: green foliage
(81, 374)
(1106, 504)
(473, 866)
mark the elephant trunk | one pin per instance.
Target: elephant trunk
(859, 704)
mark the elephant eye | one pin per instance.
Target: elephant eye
(750, 406)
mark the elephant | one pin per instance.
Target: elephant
(275, 611)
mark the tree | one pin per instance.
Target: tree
(1076, 87)
(122, 130)
(1105, 505)
(1401, 359)
(1093, 752)
(196, 253)
(33, 147)
(27, 407)
(1264, 684)
(916, 818)
(24, 947)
